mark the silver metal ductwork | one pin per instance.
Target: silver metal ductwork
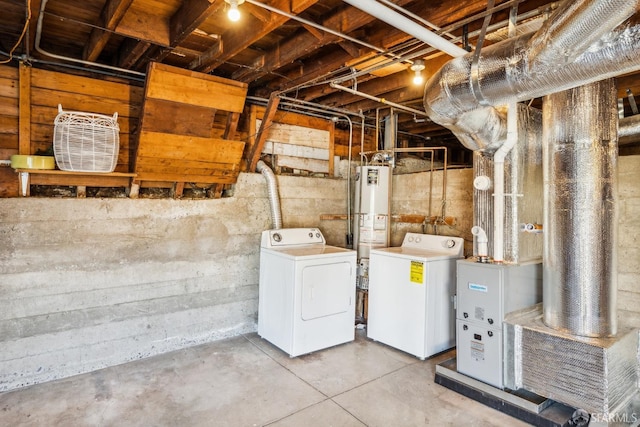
(580, 128)
(272, 189)
(568, 349)
(522, 188)
(629, 130)
(582, 42)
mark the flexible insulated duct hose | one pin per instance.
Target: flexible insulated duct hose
(274, 197)
(533, 65)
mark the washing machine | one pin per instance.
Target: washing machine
(306, 291)
(411, 294)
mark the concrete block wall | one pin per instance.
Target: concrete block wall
(410, 195)
(89, 283)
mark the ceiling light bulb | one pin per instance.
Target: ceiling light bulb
(417, 67)
(233, 14)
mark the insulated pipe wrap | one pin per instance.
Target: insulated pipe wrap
(511, 72)
(580, 181)
(629, 130)
(572, 29)
(272, 189)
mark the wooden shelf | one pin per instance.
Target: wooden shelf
(81, 180)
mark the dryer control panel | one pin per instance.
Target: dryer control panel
(286, 237)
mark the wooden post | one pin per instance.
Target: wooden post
(261, 137)
(24, 110)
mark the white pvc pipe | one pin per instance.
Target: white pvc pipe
(481, 240)
(410, 27)
(498, 182)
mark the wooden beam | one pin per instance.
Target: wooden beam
(256, 147)
(24, 110)
(190, 16)
(232, 126)
(343, 20)
(239, 39)
(314, 31)
(177, 190)
(347, 21)
(258, 12)
(145, 26)
(111, 15)
(332, 133)
(189, 87)
(351, 48)
(131, 51)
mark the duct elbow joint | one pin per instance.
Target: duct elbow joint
(481, 239)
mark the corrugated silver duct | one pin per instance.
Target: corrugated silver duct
(523, 190)
(629, 130)
(272, 189)
(580, 128)
(574, 27)
(509, 71)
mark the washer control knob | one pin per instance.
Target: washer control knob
(490, 333)
(466, 315)
(450, 243)
(318, 235)
(418, 239)
(277, 237)
(410, 238)
(490, 321)
(311, 235)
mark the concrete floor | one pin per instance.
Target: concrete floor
(246, 381)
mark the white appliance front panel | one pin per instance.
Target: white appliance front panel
(479, 353)
(281, 305)
(326, 290)
(411, 303)
(487, 292)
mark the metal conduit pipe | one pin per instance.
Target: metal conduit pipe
(272, 189)
(509, 73)
(375, 98)
(444, 168)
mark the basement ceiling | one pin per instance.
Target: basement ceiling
(292, 47)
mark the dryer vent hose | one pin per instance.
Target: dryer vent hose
(274, 197)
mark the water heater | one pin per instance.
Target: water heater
(371, 220)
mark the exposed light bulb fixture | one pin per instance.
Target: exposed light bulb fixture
(417, 67)
(233, 13)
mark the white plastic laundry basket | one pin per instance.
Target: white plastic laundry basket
(86, 142)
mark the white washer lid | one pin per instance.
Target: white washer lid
(413, 253)
(311, 251)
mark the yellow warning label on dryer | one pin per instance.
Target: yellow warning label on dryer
(417, 272)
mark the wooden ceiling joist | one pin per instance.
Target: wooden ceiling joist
(112, 14)
(240, 39)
